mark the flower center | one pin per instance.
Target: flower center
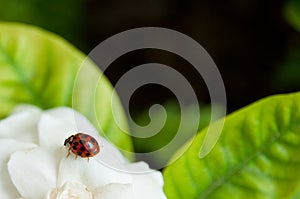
(70, 190)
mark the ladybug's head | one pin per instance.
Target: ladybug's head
(69, 140)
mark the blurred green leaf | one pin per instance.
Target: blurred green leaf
(65, 17)
(292, 13)
(257, 156)
(40, 68)
(288, 72)
(170, 128)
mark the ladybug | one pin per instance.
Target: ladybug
(82, 145)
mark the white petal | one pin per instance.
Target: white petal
(113, 191)
(149, 186)
(34, 171)
(91, 173)
(25, 108)
(58, 124)
(8, 146)
(21, 125)
(53, 131)
(80, 123)
(70, 190)
(110, 155)
(52, 194)
(137, 167)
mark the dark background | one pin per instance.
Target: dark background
(255, 44)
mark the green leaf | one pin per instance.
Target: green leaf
(256, 156)
(292, 13)
(169, 130)
(286, 76)
(69, 24)
(40, 68)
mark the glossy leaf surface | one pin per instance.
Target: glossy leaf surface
(40, 68)
(257, 156)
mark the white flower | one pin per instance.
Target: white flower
(34, 163)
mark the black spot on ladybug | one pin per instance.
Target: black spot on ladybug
(82, 142)
(75, 143)
(74, 148)
(82, 149)
(79, 153)
(87, 154)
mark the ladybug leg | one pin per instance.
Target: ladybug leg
(88, 159)
(68, 152)
(76, 156)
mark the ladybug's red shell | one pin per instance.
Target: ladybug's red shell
(82, 145)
